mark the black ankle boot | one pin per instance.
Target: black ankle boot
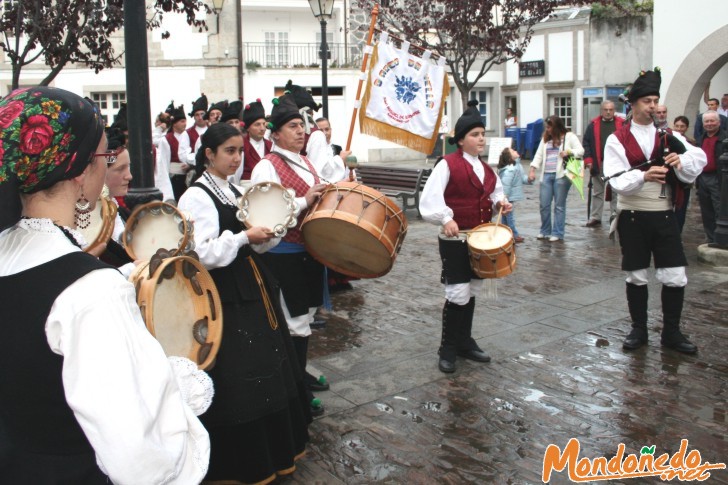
(672, 303)
(637, 302)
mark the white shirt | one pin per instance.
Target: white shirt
(116, 377)
(632, 182)
(432, 201)
(329, 166)
(164, 152)
(722, 111)
(214, 249)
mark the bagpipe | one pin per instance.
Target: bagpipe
(669, 143)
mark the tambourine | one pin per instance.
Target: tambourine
(268, 204)
(180, 306)
(101, 224)
(157, 225)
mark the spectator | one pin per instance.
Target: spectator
(556, 146)
(709, 181)
(512, 178)
(595, 137)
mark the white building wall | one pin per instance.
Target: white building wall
(679, 29)
(560, 66)
(531, 105)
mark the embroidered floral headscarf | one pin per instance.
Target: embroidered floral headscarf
(46, 135)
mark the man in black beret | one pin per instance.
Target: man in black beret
(173, 155)
(641, 161)
(300, 276)
(198, 113)
(255, 146)
(462, 192)
(233, 114)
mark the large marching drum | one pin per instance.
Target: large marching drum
(355, 230)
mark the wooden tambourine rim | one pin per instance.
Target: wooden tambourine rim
(108, 215)
(134, 216)
(284, 225)
(145, 286)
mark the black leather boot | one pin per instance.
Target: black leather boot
(637, 303)
(467, 347)
(672, 304)
(452, 317)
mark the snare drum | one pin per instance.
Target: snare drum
(355, 230)
(157, 225)
(270, 205)
(101, 225)
(492, 250)
(180, 306)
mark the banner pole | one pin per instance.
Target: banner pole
(375, 14)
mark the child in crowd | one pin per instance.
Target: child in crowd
(512, 178)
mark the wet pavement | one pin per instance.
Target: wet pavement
(558, 369)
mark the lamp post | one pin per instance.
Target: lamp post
(323, 10)
(721, 230)
(217, 8)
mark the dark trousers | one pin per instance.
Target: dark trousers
(709, 198)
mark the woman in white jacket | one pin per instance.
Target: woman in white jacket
(556, 146)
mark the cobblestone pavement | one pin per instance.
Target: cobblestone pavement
(558, 369)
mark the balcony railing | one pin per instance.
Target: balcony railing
(276, 55)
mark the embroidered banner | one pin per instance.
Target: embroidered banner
(404, 97)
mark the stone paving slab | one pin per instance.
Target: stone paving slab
(558, 369)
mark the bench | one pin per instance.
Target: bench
(404, 182)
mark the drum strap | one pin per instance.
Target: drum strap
(269, 307)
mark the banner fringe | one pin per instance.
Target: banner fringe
(391, 133)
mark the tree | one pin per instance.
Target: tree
(472, 36)
(71, 31)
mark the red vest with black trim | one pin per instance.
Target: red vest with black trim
(194, 135)
(251, 156)
(173, 147)
(291, 180)
(466, 195)
(636, 156)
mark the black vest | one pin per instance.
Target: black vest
(45, 440)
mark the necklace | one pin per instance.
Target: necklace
(218, 191)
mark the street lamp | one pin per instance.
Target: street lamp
(323, 10)
(217, 8)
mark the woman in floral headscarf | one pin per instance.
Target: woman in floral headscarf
(85, 391)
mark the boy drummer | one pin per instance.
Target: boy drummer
(462, 192)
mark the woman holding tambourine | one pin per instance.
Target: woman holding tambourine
(259, 418)
(86, 392)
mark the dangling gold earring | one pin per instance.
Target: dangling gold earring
(83, 212)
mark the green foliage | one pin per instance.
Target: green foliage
(622, 8)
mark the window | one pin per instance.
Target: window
(482, 96)
(109, 104)
(561, 107)
(276, 49)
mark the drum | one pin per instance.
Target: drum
(180, 306)
(492, 250)
(157, 225)
(101, 225)
(355, 230)
(268, 205)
